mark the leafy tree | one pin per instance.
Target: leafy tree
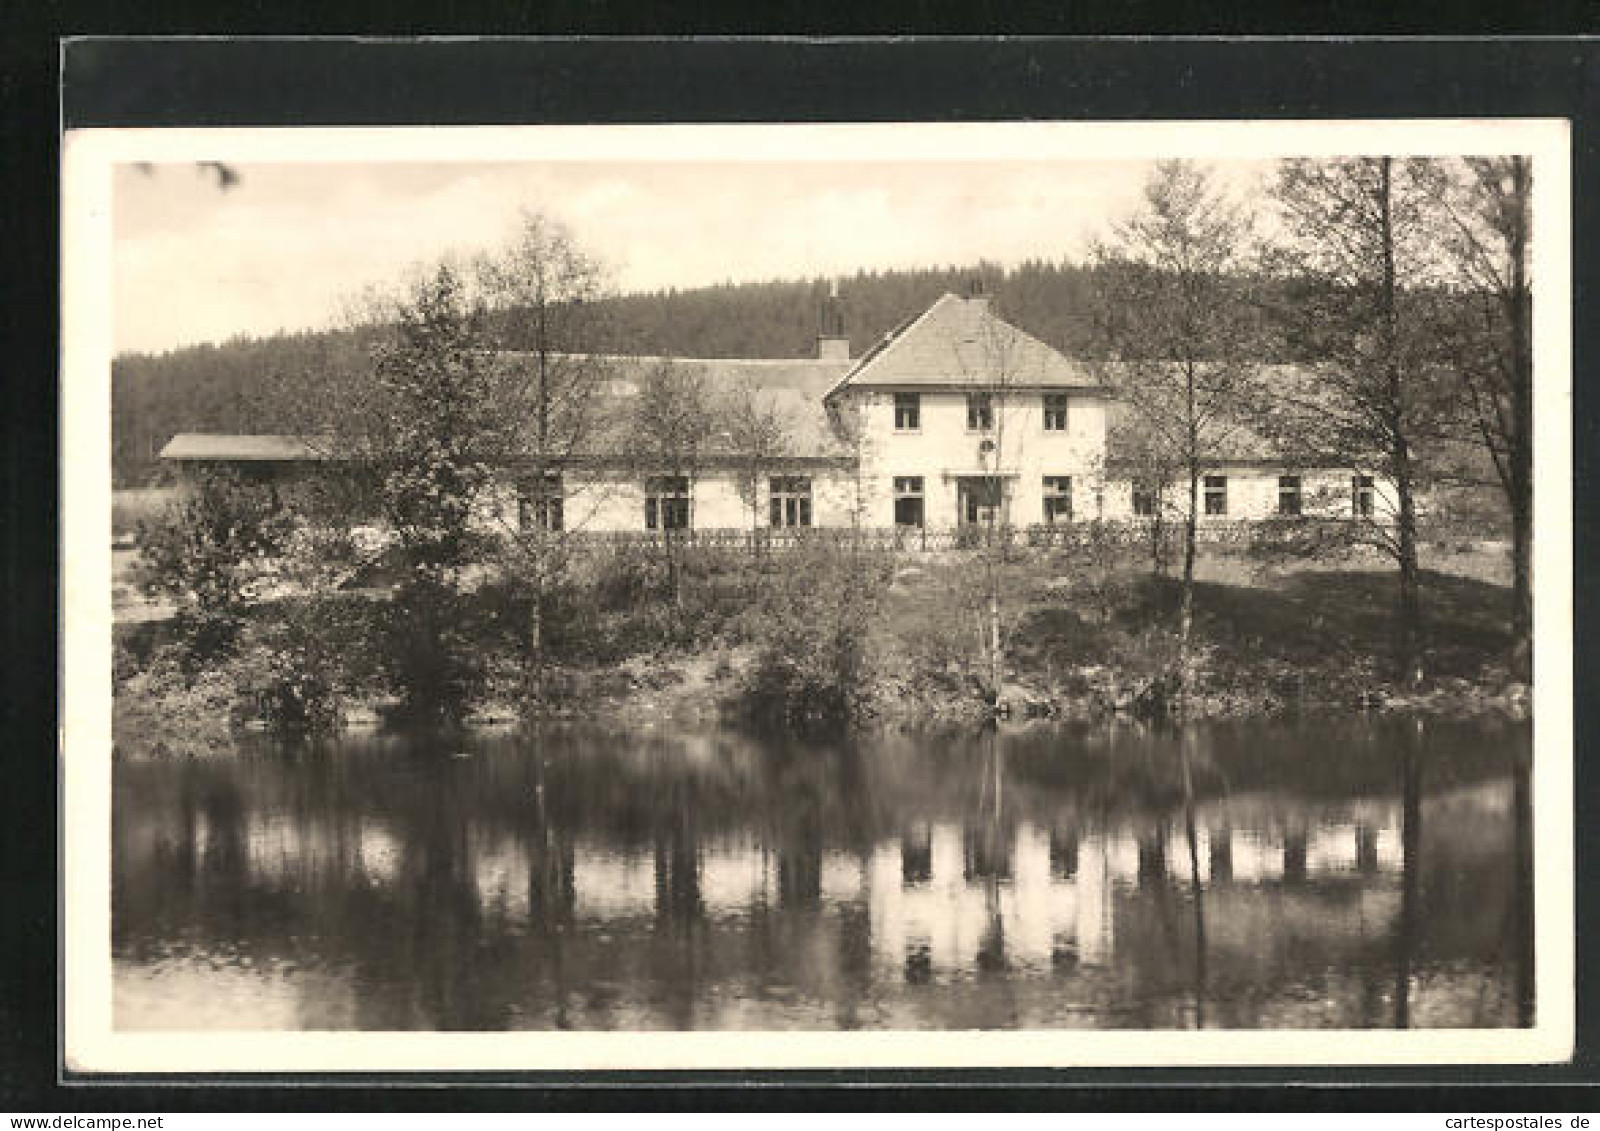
(424, 431)
(215, 543)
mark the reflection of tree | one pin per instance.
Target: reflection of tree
(1294, 855)
(272, 859)
(1153, 858)
(916, 856)
(1063, 853)
(1196, 890)
(1221, 854)
(1411, 853)
(680, 910)
(1366, 848)
(1522, 885)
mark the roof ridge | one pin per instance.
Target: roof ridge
(894, 338)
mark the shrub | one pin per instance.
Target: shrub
(165, 708)
(812, 670)
(290, 689)
(207, 550)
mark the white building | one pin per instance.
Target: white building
(955, 418)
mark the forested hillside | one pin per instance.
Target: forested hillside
(228, 387)
(231, 387)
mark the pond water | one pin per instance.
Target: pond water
(1340, 873)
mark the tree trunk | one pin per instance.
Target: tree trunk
(1519, 313)
(1191, 832)
(1522, 589)
(1186, 598)
(996, 661)
(535, 670)
(1409, 628)
(1405, 942)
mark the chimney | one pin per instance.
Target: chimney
(833, 344)
(977, 292)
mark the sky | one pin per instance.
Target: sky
(288, 245)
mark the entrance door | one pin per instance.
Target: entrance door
(982, 500)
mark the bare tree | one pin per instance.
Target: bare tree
(1487, 208)
(539, 297)
(758, 435)
(485, 377)
(1176, 327)
(1359, 243)
(671, 433)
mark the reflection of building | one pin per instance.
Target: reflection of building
(955, 916)
(612, 885)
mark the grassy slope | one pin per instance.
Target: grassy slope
(1269, 638)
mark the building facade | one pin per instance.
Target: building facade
(955, 419)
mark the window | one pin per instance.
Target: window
(1289, 495)
(791, 501)
(1216, 494)
(908, 500)
(1055, 412)
(980, 412)
(666, 502)
(1144, 499)
(1361, 496)
(1057, 498)
(540, 505)
(907, 412)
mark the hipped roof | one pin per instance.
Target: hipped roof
(961, 342)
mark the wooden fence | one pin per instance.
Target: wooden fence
(1238, 533)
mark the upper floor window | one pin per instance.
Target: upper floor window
(908, 500)
(1055, 412)
(1145, 497)
(666, 502)
(1361, 496)
(1216, 494)
(980, 412)
(791, 501)
(1289, 495)
(907, 412)
(539, 504)
(1058, 498)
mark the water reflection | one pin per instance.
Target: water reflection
(1356, 876)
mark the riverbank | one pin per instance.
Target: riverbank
(1083, 641)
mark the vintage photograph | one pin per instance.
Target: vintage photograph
(890, 581)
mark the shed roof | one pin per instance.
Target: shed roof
(229, 447)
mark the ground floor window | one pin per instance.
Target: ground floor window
(908, 508)
(1361, 496)
(666, 502)
(1145, 497)
(1057, 498)
(1289, 495)
(1216, 494)
(791, 501)
(540, 505)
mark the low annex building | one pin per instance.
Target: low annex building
(956, 418)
